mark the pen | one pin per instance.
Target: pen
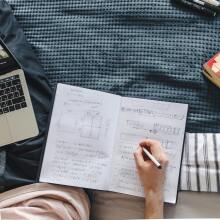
(152, 158)
(198, 5)
(209, 5)
(213, 2)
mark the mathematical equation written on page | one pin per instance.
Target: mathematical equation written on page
(141, 119)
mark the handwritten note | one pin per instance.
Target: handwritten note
(93, 135)
(81, 135)
(140, 119)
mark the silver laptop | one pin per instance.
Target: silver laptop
(17, 119)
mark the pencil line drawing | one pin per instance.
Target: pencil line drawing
(91, 125)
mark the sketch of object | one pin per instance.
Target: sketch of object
(91, 125)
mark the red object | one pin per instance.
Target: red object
(213, 61)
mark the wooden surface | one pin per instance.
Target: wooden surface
(112, 206)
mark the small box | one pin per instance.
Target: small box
(211, 69)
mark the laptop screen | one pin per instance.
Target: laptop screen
(7, 61)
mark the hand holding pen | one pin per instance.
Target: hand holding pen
(151, 177)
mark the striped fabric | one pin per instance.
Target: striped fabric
(200, 169)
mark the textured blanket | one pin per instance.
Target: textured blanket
(146, 48)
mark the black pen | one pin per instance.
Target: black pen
(198, 5)
(210, 5)
(212, 2)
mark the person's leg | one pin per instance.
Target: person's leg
(44, 201)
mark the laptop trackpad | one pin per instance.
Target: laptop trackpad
(5, 137)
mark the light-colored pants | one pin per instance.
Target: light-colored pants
(44, 202)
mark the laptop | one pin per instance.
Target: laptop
(17, 119)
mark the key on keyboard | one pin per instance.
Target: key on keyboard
(11, 95)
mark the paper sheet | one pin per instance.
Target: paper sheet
(93, 135)
(140, 119)
(81, 136)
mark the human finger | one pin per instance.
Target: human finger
(138, 156)
(153, 145)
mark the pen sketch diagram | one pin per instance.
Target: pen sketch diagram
(91, 125)
(87, 125)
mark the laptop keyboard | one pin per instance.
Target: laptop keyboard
(11, 95)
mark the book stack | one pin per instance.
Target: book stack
(211, 69)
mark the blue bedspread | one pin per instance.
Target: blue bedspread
(146, 48)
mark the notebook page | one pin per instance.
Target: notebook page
(80, 139)
(140, 119)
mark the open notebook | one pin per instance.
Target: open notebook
(92, 137)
